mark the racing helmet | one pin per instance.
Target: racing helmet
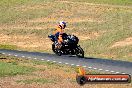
(62, 24)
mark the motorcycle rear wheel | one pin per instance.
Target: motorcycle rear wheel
(53, 47)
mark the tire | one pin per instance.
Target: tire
(57, 52)
(80, 52)
(81, 80)
(53, 48)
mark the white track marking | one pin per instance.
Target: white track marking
(66, 63)
(19, 50)
(117, 72)
(16, 55)
(23, 56)
(84, 66)
(9, 54)
(48, 60)
(107, 70)
(29, 57)
(54, 61)
(95, 68)
(42, 59)
(112, 71)
(90, 67)
(77, 65)
(72, 64)
(35, 58)
(60, 62)
(100, 69)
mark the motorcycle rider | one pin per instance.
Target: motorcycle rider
(58, 34)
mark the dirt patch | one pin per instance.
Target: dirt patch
(69, 20)
(32, 7)
(125, 42)
(43, 20)
(23, 41)
(24, 25)
(94, 4)
(92, 35)
(73, 20)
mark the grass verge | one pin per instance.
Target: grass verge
(12, 69)
(10, 47)
(41, 74)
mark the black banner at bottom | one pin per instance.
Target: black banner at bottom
(103, 78)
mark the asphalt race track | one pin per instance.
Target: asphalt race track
(104, 65)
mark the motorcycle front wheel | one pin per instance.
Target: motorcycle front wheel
(56, 51)
(79, 52)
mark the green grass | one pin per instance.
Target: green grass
(12, 69)
(116, 27)
(20, 2)
(116, 23)
(10, 47)
(11, 15)
(112, 2)
(10, 66)
(35, 32)
(10, 11)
